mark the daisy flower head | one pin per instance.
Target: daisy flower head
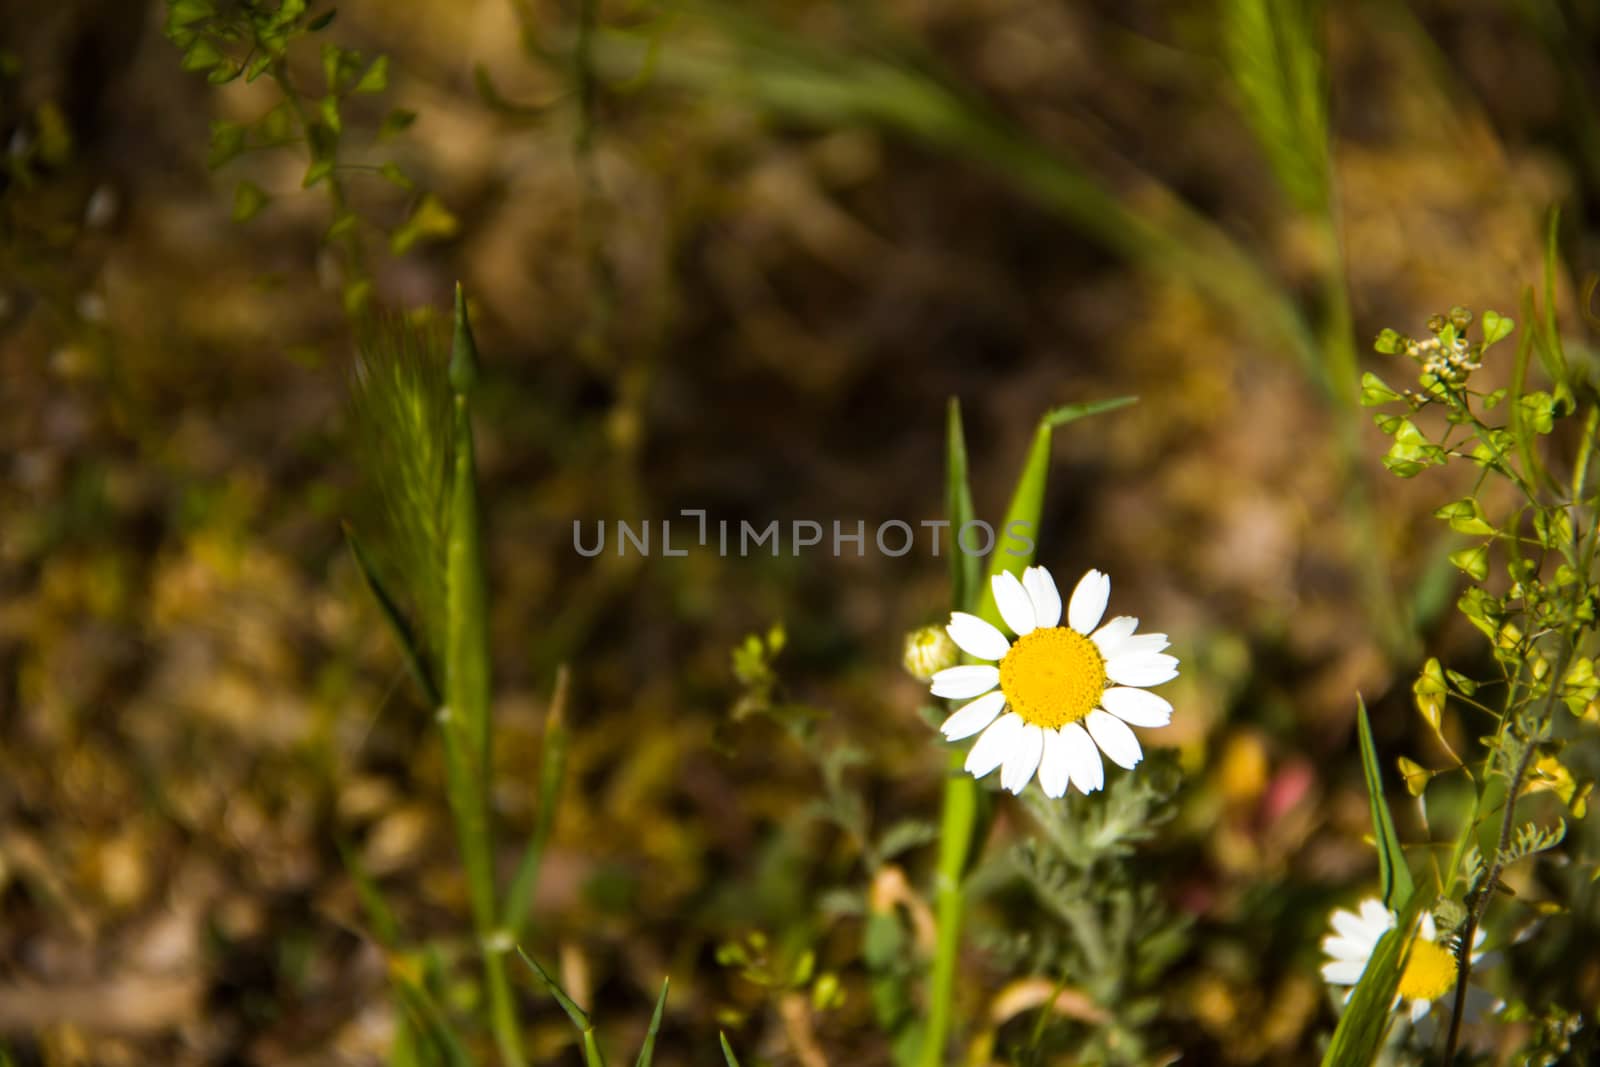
(1055, 698)
(1430, 968)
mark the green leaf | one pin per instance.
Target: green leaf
(395, 123)
(1393, 874)
(376, 77)
(385, 927)
(958, 509)
(322, 21)
(328, 108)
(257, 67)
(391, 172)
(430, 221)
(1374, 392)
(227, 141)
(188, 12)
(1474, 561)
(201, 55)
(324, 145)
(248, 200)
(466, 594)
(647, 1051)
(1466, 516)
(552, 775)
(1370, 1010)
(1021, 521)
(433, 1024)
(397, 622)
(580, 1018)
(1388, 342)
(1496, 327)
(343, 223)
(727, 1051)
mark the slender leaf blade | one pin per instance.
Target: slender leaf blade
(1393, 873)
(727, 1051)
(958, 508)
(647, 1051)
(416, 665)
(579, 1017)
(552, 774)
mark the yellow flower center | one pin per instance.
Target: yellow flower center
(1430, 972)
(1053, 677)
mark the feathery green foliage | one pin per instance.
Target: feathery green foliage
(400, 394)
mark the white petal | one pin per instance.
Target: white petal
(1046, 598)
(970, 718)
(1419, 1008)
(1375, 915)
(1108, 639)
(1088, 602)
(959, 683)
(1023, 760)
(1143, 668)
(1355, 927)
(1012, 600)
(1114, 739)
(977, 638)
(1426, 929)
(994, 745)
(1088, 773)
(1142, 643)
(1055, 769)
(1346, 948)
(1137, 707)
(1343, 972)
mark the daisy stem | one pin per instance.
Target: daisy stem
(955, 842)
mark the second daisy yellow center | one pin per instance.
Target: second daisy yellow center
(1430, 972)
(1053, 676)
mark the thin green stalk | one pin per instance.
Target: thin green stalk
(552, 772)
(465, 719)
(955, 841)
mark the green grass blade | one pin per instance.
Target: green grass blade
(1272, 54)
(385, 927)
(1551, 354)
(552, 774)
(958, 509)
(432, 1026)
(647, 1051)
(1393, 873)
(466, 598)
(592, 1056)
(416, 664)
(1061, 416)
(579, 1017)
(727, 1051)
(1367, 1016)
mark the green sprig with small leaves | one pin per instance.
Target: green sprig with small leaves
(255, 39)
(1525, 537)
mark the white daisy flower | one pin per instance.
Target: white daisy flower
(1430, 969)
(1068, 692)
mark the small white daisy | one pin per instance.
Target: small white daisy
(1430, 969)
(1068, 692)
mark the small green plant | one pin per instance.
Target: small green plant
(253, 39)
(1529, 553)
